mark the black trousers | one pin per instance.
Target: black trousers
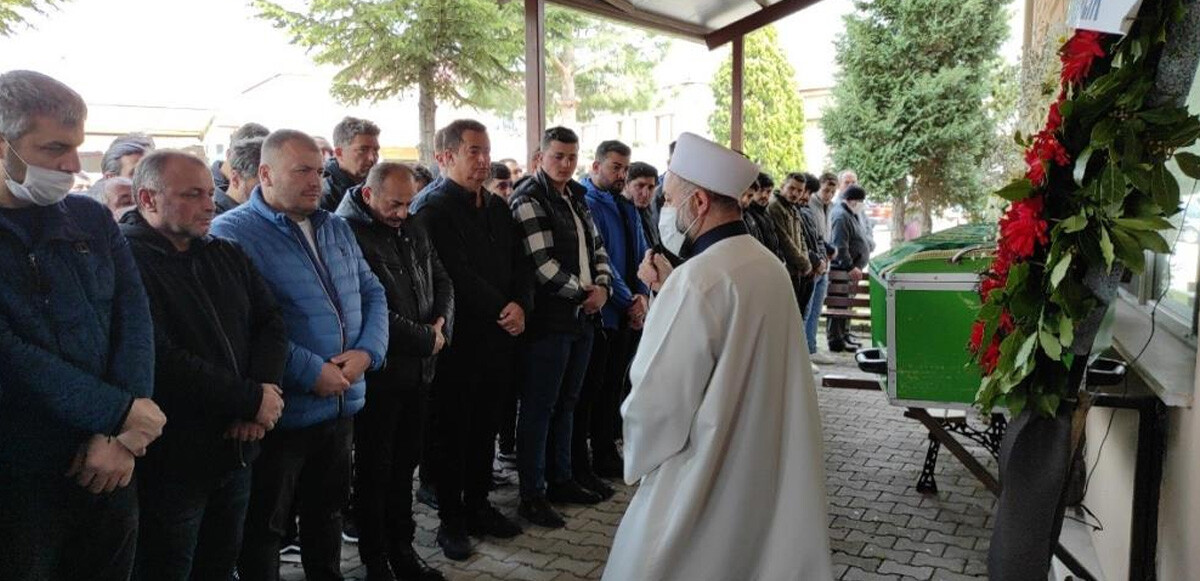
(53, 530)
(804, 288)
(387, 440)
(315, 463)
(598, 415)
(466, 400)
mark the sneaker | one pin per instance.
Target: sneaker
(489, 521)
(427, 496)
(539, 512)
(290, 548)
(349, 531)
(570, 492)
(822, 358)
(508, 458)
(593, 483)
(816, 370)
(454, 543)
(407, 566)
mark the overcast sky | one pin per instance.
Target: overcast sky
(202, 53)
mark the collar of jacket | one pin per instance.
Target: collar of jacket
(542, 181)
(782, 200)
(727, 230)
(354, 209)
(135, 227)
(280, 219)
(57, 224)
(335, 172)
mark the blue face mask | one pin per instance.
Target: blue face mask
(41, 186)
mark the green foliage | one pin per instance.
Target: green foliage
(1107, 205)
(14, 12)
(773, 112)
(920, 95)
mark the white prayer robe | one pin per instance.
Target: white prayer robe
(723, 429)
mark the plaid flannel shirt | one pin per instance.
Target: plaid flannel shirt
(539, 239)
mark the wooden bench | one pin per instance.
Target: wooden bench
(856, 307)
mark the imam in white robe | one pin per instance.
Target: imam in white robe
(723, 430)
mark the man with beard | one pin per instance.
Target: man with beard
(479, 245)
(355, 150)
(597, 416)
(722, 431)
(574, 282)
(786, 217)
(639, 189)
(754, 214)
(388, 432)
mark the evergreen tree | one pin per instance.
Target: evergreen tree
(911, 104)
(14, 12)
(772, 111)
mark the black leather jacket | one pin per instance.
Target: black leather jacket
(418, 291)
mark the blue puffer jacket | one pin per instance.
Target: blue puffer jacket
(76, 341)
(620, 227)
(325, 314)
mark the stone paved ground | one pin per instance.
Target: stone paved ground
(879, 526)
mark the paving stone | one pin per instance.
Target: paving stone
(936, 537)
(932, 525)
(931, 549)
(572, 565)
(943, 575)
(888, 555)
(864, 563)
(856, 574)
(952, 564)
(909, 570)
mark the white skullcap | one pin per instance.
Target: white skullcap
(713, 167)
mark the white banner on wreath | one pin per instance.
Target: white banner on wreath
(1111, 16)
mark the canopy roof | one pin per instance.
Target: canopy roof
(714, 22)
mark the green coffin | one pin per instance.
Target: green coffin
(924, 298)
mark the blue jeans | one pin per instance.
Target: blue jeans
(555, 366)
(813, 312)
(191, 526)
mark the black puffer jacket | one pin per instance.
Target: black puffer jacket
(218, 335)
(337, 182)
(418, 291)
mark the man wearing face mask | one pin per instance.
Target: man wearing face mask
(723, 433)
(849, 239)
(78, 351)
(115, 193)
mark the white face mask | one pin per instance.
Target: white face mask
(44, 187)
(672, 238)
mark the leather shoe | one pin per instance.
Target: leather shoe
(590, 481)
(427, 496)
(539, 512)
(837, 347)
(409, 567)
(570, 492)
(489, 521)
(454, 543)
(608, 465)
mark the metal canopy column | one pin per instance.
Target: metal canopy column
(535, 74)
(738, 89)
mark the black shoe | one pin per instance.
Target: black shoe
(378, 570)
(349, 531)
(489, 521)
(407, 566)
(454, 543)
(570, 492)
(853, 344)
(609, 466)
(427, 496)
(499, 480)
(507, 458)
(539, 512)
(837, 347)
(593, 483)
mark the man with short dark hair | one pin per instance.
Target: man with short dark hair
(514, 169)
(479, 245)
(422, 176)
(754, 214)
(115, 193)
(786, 217)
(388, 432)
(355, 150)
(337, 324)
(574, 282)
(639, 189)
(597, 416)
(500, 182)
(221, 348)
(78, 351)
(243, 158)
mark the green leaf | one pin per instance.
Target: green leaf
(1104, 133)
(1050, 344)
(1016, 403)
(1106, 247)
(1016, 190)
(1189, 164)
(1066, 332)
(1152, 241)
(1048, 404)
(1164, 188)
(1112, 184)
(1129, 250)
(1081, 162)
(1060, 270)
(1026, 350)
(1074, 223)
(1148, 223)
(1163, 115)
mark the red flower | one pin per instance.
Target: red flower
(991, 357)
(1054, 119)
(1022, 228)
(1078, 54)
(991, 283)
(1037, 168)
(976, 340)
(1006, 323)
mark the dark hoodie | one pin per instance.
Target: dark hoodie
(337, 183)
(418, 291)
(218, 335)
